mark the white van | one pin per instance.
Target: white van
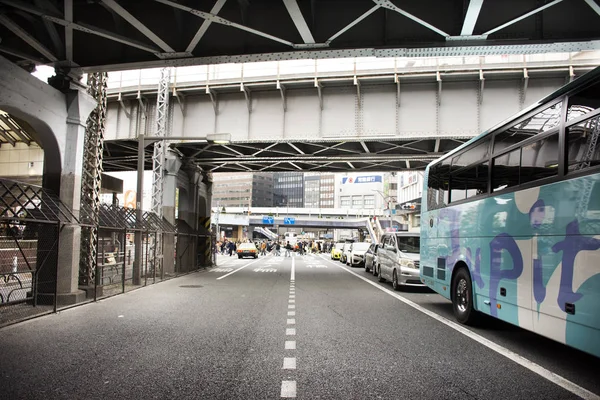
(398, 259)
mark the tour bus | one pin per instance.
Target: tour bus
(510, 221)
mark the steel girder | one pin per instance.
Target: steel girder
(91, 178)
(158, 159)
(158, 33)
(321, 155)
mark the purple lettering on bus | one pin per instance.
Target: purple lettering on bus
(477, 269)
(475, 266)
(573, 243)
(503, 242)
(537, 214)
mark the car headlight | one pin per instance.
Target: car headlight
(406, 262)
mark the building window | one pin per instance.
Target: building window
(370, 201)
(357, 201)
(345, 201)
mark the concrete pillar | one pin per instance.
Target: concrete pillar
(58, 120)
(79, 106)
(172, 166)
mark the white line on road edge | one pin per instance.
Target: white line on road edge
(511, 355)
(288, 389)
(239, 269)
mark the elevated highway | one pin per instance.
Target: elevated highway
(362, 116)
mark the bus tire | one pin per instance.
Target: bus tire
(462, 298)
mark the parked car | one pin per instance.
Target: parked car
(371, 259)
(398, 259)
(356, 256)
(336, 251)
(247, 250)
(346, 252)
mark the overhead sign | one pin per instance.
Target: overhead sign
(289, 221)
(268, 220)
(361, 179)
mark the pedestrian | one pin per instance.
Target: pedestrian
(288, 247)
(263, 249)
(300, 248)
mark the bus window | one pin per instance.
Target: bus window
(472, 155)
(540, 122)
(437, 185)
(582, 144)
(583, 102)
(505, 171)
(539, 159)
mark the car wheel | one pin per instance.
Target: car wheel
(239, 257)
(462, 298)
(255, 257)
(395, 284)
(381, 278)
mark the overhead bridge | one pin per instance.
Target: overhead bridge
(371, 118)
(298, 221)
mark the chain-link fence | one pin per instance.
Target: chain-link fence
(33, 222)
(30, 223)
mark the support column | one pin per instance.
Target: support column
(171, 168)
(79, 106)
(91, 181)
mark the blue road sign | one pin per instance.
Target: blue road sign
(268, 220)
(289, 221)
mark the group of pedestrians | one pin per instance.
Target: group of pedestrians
(227, 247)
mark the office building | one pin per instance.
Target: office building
(288, 189)
(242, 189)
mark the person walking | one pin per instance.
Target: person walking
(288, 247)
(263, 249)
(277, 249)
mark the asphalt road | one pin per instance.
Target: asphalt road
(304, 327)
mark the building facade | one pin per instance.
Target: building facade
(288, 189)
(360, 191)
(327, 191)
(242, 189)
(312, 190)
(410, 190)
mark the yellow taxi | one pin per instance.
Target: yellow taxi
(336, 251)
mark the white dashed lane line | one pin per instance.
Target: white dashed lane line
(288, 387)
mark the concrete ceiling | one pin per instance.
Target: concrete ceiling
(127, 34)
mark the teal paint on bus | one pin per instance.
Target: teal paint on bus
(539, 244)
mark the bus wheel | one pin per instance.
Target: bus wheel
(395, 284)
(462, 298)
